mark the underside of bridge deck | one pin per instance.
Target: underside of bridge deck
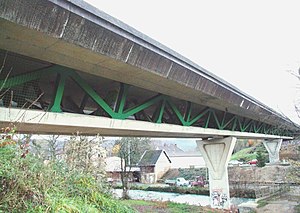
(29, 83)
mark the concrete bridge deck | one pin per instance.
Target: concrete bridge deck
(77, 36)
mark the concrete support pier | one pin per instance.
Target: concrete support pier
(217, 153)
(273, 147)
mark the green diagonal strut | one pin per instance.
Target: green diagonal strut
(178, 114)
(89, 90)
(161, 111)
(200, 115)
(121, 99)
(158, 113)
(140, 107)
(60, 85)
(24, 78)
(158, 106)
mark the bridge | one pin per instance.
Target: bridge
(68, 67)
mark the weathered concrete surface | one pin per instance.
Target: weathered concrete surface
(273, 148)
(217, 153)
(76, 35)
(36, 121)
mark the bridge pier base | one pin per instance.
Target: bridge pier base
(273, 147)
(217, 153)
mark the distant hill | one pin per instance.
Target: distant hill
(184, 144)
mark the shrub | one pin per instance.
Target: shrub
(30, 185)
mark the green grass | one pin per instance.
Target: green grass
(181, 190)
(262, 203)
(138, 202)
(245, 155)
(166, 207)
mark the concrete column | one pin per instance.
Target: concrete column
(273, 147)
(217, 153)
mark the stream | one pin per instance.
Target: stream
(191, 199)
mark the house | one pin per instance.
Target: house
(187, 160)
(113, 169)
(153, 165)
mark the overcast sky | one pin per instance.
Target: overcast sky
(251, 44)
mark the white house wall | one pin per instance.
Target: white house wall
(162, 166)
(187, 162)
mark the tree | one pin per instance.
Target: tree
(130, 151)
(47, 149)
(85, 154)
(261, 158)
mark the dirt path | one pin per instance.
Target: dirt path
(285, 203)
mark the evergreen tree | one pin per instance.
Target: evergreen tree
(261, 158)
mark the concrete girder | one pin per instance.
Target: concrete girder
(39, 122)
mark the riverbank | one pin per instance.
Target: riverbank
(166, 207)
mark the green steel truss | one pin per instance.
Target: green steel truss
(166, 111)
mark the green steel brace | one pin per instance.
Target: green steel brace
(60, 86)
(31, 76)
(228, 122)
(223, 120)
(269, 129)
(118, 111)
(217, 120)
(251, 128)
(161, 112)
(141, 106)
(246, 126)
(158, 114)
(188, 111)
(121, 99)
(243, 126)
(208, 118)
(263, 128)
(274, 130)
(266, 129)
(254, 127)
(199, 116)
(89, 90)
(259, 128)
(234, 123)
(178, 114)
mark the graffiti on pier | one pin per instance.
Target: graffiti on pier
(218, 198)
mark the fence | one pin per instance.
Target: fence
(271, 189)
(259, 189)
